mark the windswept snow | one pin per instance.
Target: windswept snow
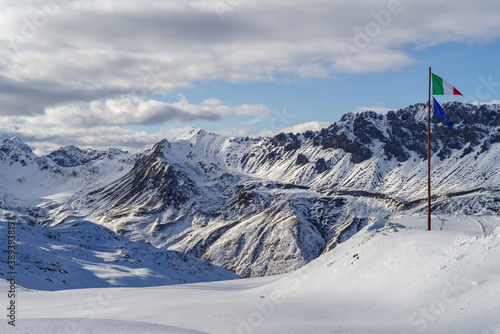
(392, 278)
(83, 255)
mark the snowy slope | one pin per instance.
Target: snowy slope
(83, 254)
(388, 278)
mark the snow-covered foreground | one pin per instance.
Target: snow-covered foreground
(396, 278)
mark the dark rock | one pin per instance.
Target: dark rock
(301, 160)
(321, 166)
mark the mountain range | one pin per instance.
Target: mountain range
(253, 206)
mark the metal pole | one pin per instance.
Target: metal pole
(429, 158)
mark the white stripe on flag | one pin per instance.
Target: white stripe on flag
(448, 89)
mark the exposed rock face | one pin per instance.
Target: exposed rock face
(301, 159)
(71, 156)
(321, 165)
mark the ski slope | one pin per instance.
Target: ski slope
(392, 278)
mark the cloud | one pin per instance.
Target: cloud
(60, 52)
(477, 103)
(309, 126)
(99, 124)
(86, 72)
(136, 111)
(45, 139)
(299, 128)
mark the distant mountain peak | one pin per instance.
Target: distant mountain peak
(194, 134)
(13, 143)
(72, 156)
(198, 132)
(15, 150)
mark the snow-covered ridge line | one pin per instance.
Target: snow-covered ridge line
(262, 206)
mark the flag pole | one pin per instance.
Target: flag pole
(429, 158)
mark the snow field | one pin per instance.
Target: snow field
(396, 279)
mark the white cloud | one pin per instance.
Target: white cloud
(74, 72)
(61, 51)
(309, 126)
(97, 124)
(136, 111)
(477, 103)
(299, 128)
(44, 139)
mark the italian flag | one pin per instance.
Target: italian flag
(441, 87)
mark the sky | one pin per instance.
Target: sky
(126, 74)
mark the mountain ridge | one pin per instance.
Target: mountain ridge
(269, 205)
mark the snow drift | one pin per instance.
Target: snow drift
(389, 278)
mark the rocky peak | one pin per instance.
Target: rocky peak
(15, 145)
(405, 131)
(16, 150)
(72, 156)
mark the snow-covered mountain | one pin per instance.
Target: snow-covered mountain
(56, 250)
(262, 206)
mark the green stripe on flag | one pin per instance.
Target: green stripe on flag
(437, 85)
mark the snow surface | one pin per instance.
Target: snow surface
(84, 255)
(392, 278)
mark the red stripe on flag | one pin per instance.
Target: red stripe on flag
(456, 92)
